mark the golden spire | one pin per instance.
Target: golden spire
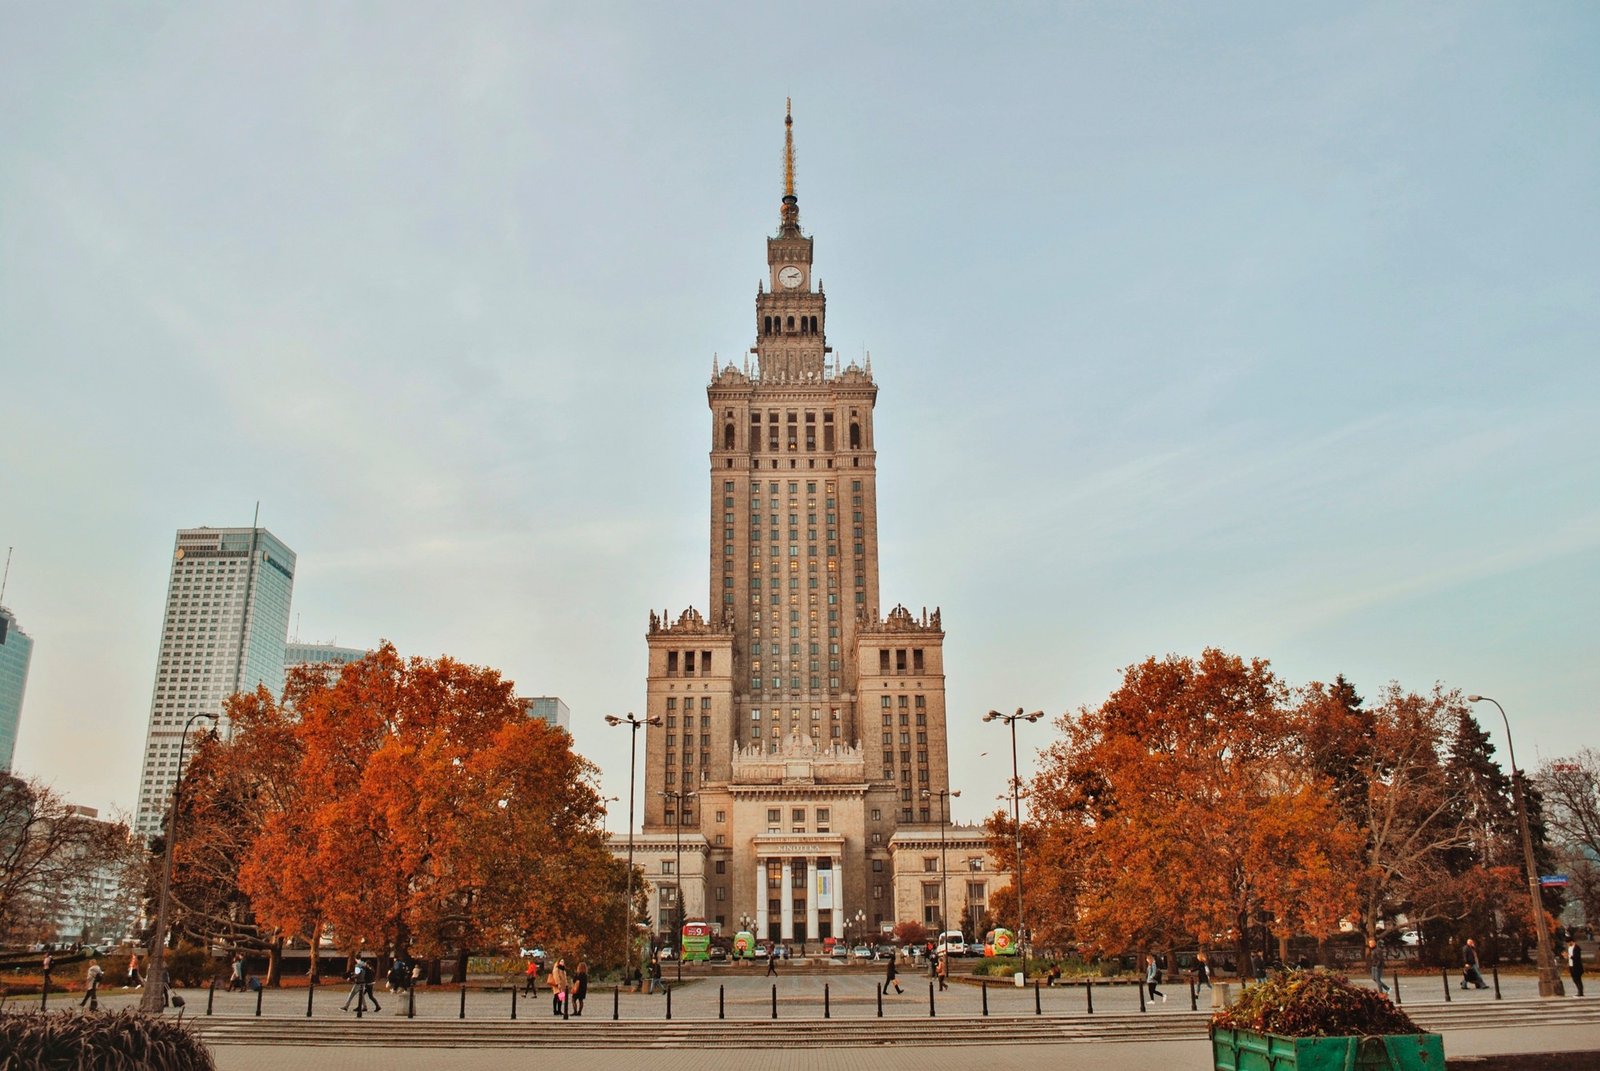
(788, 147)
(791, 204)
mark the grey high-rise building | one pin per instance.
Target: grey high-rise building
(224, 631)
(16, 650)
(549, 708)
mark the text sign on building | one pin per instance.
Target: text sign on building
(1553, 881)
(824, 890)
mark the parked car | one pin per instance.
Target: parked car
(717, 953)
(861, 952)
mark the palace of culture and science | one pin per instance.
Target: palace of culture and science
(797, 780)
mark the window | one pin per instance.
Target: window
(930, 864)
(722, 816)
(877, 866)
(722, 866)
(774, 815)
(666, 866)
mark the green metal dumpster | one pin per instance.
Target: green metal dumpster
(1246, 1050)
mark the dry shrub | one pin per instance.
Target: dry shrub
(99, 1041)
(1311, 1004)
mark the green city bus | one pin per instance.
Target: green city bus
(696, 941)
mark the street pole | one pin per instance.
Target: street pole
(679, 799)
(944, 795)
(154, 998)
(1549, 977)
(1016, 817)
(635, 724)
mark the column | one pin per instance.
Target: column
(758, 917)
(786, 902)
(813, 928)
(839, 920)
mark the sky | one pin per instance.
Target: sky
(1258, 326)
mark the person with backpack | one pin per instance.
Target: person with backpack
(1152, 977)
(91, 991)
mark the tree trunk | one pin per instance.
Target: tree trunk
(275, 963)
(433, 970)
(461, 965)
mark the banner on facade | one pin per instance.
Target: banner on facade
(824, 890)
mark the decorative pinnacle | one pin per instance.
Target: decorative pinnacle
(791, 204)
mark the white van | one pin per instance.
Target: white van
(953, 942)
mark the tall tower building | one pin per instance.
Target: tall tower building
(224, 631)
(800, 727)
(16, 651)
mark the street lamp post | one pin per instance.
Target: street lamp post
(154, 998)
(1016, 818)
(944, 795)
(1549, 977)
(861, 927)
(679, 799)
(635, 723)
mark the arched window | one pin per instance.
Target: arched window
(727, 436)
(791, 324)
(855, 436)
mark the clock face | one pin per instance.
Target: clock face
(790, 277)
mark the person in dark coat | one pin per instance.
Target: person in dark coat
(891, 978)
(580, 988)
(1470, 972)
(1575, 965)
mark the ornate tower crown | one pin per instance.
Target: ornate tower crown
(789, 224)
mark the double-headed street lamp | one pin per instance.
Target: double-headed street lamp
(154, 998)
(633, 761)
(1549, 978)
(1016, 818)
(679, 799)
(944, 795)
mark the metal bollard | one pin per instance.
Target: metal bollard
(669, 1003)
(513, 1000)
(720, 1008)
(616, 1001)
(1088, 994)
(1496, 970)
(1398, 999)
(827, 1006)
(259, 994)
(463, 1000)
(1038, 1008)
(986, 996)
(774, 1000)
(311, 992)
(1140, 987)
(1444, 976)
(930, 1000)
(211, 994)
(411, 1002)
(879, 989)
(566, 1004)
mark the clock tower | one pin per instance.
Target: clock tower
(796, 729)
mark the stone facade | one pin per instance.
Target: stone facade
(800, 728)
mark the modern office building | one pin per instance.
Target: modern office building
(802, 728)
(549, 708)
(224, 630)
(16, 651)
(297, 653)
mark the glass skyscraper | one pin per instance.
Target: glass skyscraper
(16, 649)
(224, 631)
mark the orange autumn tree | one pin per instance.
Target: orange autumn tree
(433, 813)
(1182, 810)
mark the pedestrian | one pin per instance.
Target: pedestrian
(772, 961)
(891, 979)
(580, 988)
(45, 966)
(399, 975)
(134, 981)
(1152, 977)
(236, 974)
(557, 981)
(943, 971)
(1470, 973)
(1202, 970)
(1575, 965)
(369, 982)
(530, 979)
(358, 988)
(91, 989)
(655, 975)
(1375, 964)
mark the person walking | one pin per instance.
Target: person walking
(358, 989)
(1202, 970)
(1375, 964)
(1152, 978)
(772, 961)
(45, 966)
(530, 979)
(891, 978)
(655, 975)
(1575, 965)
(1470, 972)
(943, 971)
(580, 988)
(91, 989)
(134, 981)
(236, 974)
